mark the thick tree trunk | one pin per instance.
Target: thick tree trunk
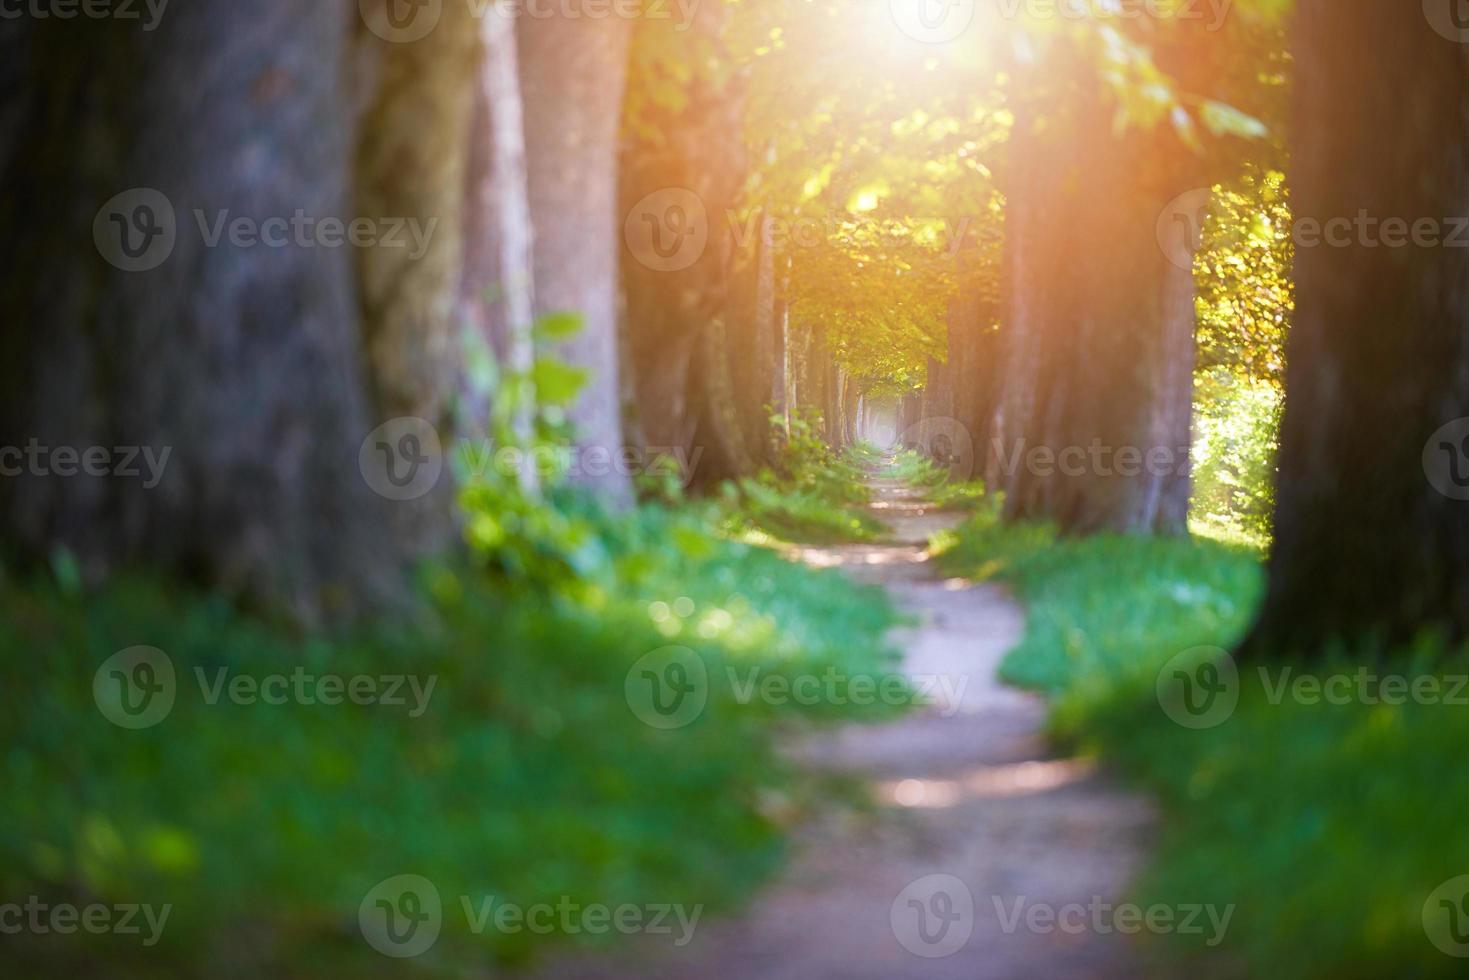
(1126, 383)
(749, 347)
(572, 69)
(718, 450)
(412, 163)
(1372, 525)
(677, 307)
(970, 344)
(496, 292)
(1165, 495)
(241, 361)
(1091, 427)
(1033, 286)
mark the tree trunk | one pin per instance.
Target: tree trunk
(1371, 526)
(242, 361)
(718, 450)
(412, 163)
(496, 293)
(689, 157)
(1034, 204)
(572, 69)
(780, 376)
(1091, 427)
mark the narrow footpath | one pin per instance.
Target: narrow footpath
(977, 823)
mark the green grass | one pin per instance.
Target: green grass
(813, 495)
(806, 516)
(1326, 826)
(528, 777)
(937, 482)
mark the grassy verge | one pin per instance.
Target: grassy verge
(1328, 826)
(812, 495)
(939, 485)
(535, 769)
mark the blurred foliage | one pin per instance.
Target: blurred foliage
(528, 777)
(1326, 826)
(813, 493)
(935, 480)
(1245, 303)
(1236, 436)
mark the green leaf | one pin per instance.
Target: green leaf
(1224, 120)
(557, 383)
(560, 325)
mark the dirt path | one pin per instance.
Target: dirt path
(975, 816)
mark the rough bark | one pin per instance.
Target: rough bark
(243, 361)
(572, 72)
(1371, 531)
